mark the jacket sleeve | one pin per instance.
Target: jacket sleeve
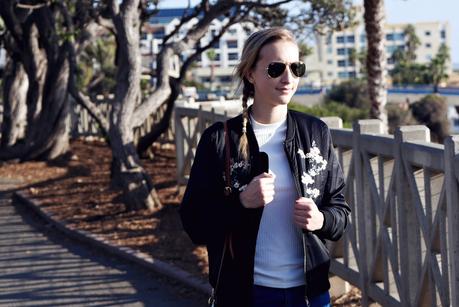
(334, 207)
(205, 211)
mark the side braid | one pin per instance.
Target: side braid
(247, 92)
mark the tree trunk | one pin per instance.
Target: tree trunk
(376, 58)
(158, 129)
(14, 103)
(33, 41)
(127, 172)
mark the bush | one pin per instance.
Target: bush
(399, 115)
(347, 114)
(353, 93)
(432, 111)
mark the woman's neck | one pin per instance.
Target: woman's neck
(268, 114)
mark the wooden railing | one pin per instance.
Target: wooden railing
(83, 125)
(401, 247)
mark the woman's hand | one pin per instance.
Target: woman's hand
(259, 192)
(306, 215)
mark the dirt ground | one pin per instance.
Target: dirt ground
(76, 189)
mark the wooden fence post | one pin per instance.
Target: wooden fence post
(408, 224)
(179, 147)
(333, 122)
(364, 209)
(452, 199)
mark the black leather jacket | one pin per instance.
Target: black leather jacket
(208, 216)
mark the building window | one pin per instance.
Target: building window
(341, 51)
(363, 38)
(232, 44)
(159, 34)
(343, 74)
(329, 39)
(456, 122)
(391, 49)
(390, 37)
(428, 45)
(427, 33)
(226, 79)
(340, 39)
(352, 74)
(399, 37)
(443, 34)
(429, 57)
(217, 57)
(330, 74)
(329, 50)
(342, 63)
(330, 62)
(350, 39)
(216, 44)
(232, 56)
(390, 60)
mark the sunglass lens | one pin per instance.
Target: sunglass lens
(298, 69)
(276, 69)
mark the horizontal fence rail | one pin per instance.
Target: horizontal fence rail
(82, 124)
(401, 247)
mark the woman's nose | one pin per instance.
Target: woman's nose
(287, 75)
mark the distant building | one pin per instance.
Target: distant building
(330, 62)
(228, 49)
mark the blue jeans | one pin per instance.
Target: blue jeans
(290, 297)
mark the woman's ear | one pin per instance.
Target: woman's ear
(250, 77)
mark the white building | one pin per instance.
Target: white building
(227, 50)
(330, 62)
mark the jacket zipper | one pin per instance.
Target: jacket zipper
(303, 235)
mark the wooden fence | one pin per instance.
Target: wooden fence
(83, 125)
(402, 244)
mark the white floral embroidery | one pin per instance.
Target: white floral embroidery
(237, 169)
(301, 153)
(242, 188)
(316, 164)
(312, 193)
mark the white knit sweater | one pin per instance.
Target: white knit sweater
(279, 251)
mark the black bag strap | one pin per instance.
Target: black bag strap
(227, 191)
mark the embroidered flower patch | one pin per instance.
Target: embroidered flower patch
(316, 165)
(237, 169)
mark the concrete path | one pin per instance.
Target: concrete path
(41, 267)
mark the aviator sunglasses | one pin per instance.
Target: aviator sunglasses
(276, 69)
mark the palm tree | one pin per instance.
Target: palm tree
(438, 66)
(412, 43)
(376, 58)
(211, 55)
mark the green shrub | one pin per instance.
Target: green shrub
(353, 93)
(332, 108)
(432, 111)
(399, 115)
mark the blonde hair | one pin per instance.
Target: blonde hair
(249, 58)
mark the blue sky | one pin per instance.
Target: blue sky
(402, 11)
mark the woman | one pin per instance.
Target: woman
(269, 223)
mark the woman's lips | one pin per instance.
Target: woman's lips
(284, 90)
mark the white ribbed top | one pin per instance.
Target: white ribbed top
(279, 250)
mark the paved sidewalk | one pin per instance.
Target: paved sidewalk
(41, 267)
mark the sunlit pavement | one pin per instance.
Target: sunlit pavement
(40, 267)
